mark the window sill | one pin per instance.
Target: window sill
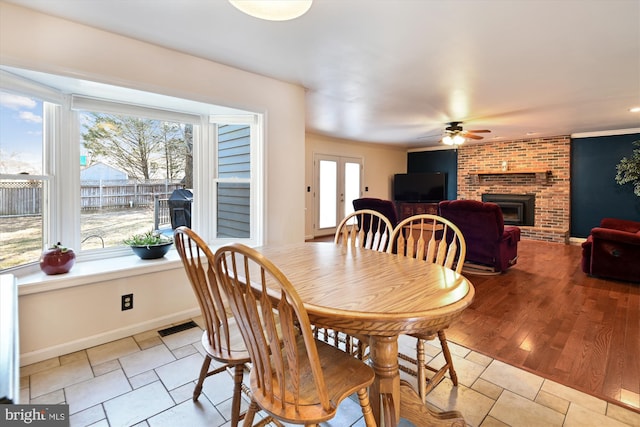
(94, 271)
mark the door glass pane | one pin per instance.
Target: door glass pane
(328, 193)
(21, 200)
(351, 185)
(129, 168)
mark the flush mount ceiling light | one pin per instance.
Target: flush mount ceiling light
(277, 10)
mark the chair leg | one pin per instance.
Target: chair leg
(203, 374)
(237, 395)
(447, 357)
(251, 412)
(363, 396)
(424, 385)
(421, 369)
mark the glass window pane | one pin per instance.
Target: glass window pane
(233, 203)
(20, 222)
(234, 151)
(328, 193)
(351, 185)
(21, 200)
(130, 167)
(233, 210)
(21, 137)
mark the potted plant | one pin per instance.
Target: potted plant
(628, 170)
(149, 245)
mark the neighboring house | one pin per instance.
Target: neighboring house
(102, 172)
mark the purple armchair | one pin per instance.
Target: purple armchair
(489, 243)
(613, 250)
(385, 207)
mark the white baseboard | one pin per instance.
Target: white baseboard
(105, 337)
(576, 241)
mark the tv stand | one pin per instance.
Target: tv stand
(407, 209)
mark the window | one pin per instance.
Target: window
(27, 127)
(129, 168)
(234, 181)
(104, 169)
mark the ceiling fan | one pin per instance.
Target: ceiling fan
(455, 135)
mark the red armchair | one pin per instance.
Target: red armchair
(489, 243)
(613, 250)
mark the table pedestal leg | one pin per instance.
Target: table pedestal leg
(385, 390)
(413, 409)
(392, 399)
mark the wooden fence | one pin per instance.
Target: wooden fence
(20, 198)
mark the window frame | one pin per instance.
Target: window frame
(52, 102)
(61, 202)
(256, 180)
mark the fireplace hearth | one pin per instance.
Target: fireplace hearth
(517, 209)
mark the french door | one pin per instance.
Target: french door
(338, 182)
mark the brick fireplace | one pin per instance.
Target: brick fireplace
(533, 166)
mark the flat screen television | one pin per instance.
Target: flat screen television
(419, 187)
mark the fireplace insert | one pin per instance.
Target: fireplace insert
(517, 209)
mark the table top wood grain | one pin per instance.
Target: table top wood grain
(368, 291)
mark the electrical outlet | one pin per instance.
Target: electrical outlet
(127, 302)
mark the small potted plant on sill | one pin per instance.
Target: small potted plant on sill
(149, 245)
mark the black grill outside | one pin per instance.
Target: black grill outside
(180, 208)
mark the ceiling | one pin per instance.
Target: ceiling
(397, 71)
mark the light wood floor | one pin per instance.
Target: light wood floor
(546, 316)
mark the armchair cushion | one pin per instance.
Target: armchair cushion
(612, 250)
(489, 241)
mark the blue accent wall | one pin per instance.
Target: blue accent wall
(594, 191)
(437, 161)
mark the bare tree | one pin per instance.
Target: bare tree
(140, 147)
(188, 158)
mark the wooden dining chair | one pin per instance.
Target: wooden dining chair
(434, 239)
(369, 229)
(364, 228)
(294, 377)
(221, 339)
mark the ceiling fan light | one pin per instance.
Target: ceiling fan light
(458, 139)
(447, 140)
(273, 10)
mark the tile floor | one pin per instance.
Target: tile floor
(148, 380)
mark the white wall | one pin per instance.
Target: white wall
(61, 321)
(58, 321)
(43, 43)
(381, 162)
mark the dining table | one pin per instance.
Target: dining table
(380, 295)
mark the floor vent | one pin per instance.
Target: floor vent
(178, 328)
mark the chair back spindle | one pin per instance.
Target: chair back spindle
(365, 228)
(429, 238)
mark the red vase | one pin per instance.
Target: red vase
(57, 259)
